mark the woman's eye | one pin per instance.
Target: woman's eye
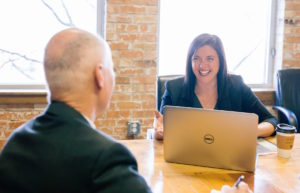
(210, 59)
(196, 59)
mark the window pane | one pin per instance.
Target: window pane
(243, 27)
(26, 27)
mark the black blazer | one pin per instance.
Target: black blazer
(235, 96)
(59, 152)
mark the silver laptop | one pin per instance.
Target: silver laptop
(210, 138)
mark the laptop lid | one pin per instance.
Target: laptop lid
(210, 138)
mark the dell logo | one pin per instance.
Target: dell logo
(209, 139)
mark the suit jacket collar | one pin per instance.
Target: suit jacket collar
(66, 112)
(223, 101)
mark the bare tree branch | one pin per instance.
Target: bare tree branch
(69, 23)
(245, 57)
(21, 70)
(9, 61)
(13, 57)
(67, 12)
(20, 55)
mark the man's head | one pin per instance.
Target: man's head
(78, 66)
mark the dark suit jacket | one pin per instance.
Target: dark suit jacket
(59, 152)
(235, 96)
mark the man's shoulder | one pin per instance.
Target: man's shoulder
(23, 130)
(97, 141)
(100, 138)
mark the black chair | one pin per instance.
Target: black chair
(160, 86)
(288, 96)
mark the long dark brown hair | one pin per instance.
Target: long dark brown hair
(200, 41)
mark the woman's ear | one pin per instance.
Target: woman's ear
(99, 76)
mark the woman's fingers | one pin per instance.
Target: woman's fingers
(158, 120)
(157, 114)
(158, 125)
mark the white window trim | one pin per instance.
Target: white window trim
(271, 69)
(101, 17)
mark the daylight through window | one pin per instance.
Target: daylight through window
(26, 27)
(243, 26)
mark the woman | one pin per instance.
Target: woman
(208, 85)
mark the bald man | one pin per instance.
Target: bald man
(61, 150)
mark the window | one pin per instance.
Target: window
(26, 27)
(245, 28)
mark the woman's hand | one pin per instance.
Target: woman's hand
(265, 129)
(158, 126)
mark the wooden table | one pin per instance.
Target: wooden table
(272, 174)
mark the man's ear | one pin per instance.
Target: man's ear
(99, 76)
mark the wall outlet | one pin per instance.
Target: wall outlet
(133, 129)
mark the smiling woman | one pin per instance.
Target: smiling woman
(24, 35)
(208, 85)
(245, 27)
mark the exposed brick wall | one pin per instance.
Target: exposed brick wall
(12, 116)
(131, 31)
(291, 48)
(132, 27)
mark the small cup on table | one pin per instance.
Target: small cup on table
(285, 139)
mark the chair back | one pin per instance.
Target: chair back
(160, 87)
(288, 91)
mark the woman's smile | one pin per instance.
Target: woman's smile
(204, 72)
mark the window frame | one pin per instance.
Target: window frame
(270, 66)
(271, 69)
(101, 21)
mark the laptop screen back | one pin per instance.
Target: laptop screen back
(210, 138)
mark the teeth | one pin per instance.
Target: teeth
(204, 72)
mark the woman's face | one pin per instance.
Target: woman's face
(205, 64)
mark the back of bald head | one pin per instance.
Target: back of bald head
(70, 59)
